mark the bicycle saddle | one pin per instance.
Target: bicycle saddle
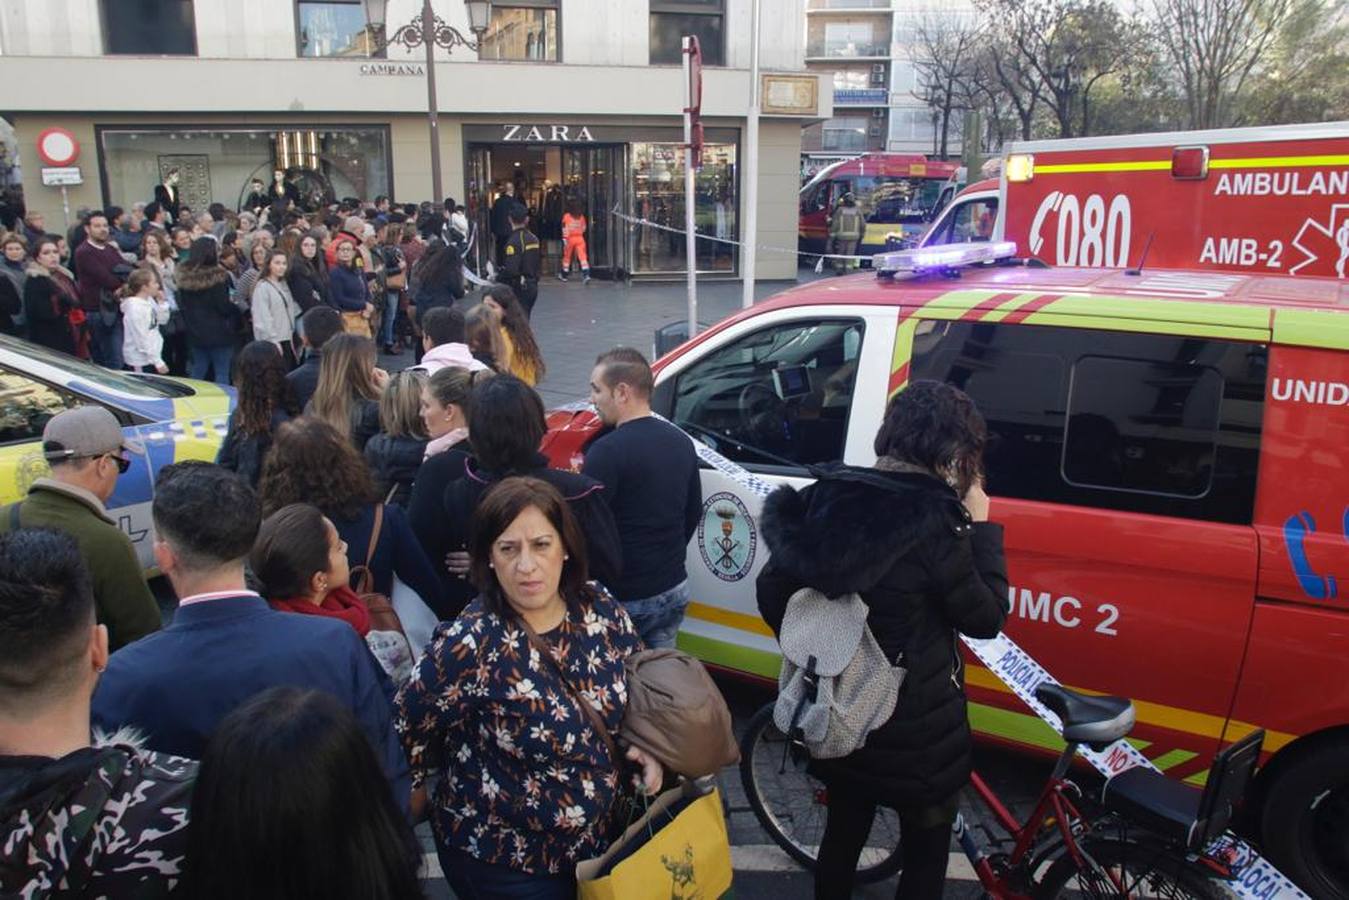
(1094, 721)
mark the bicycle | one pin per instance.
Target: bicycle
(1144, 837)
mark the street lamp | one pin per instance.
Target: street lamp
(430, 32)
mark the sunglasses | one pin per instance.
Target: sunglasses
(123, 464)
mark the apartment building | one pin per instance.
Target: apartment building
(867, 48)
(564, 99)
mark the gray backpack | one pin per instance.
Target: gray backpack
(836, 684)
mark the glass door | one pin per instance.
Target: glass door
(479, 205)
(595, 176)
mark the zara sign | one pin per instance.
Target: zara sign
(547, 134)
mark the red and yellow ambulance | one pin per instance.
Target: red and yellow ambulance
(1169, 454)
(899, 194)
(1257, 200)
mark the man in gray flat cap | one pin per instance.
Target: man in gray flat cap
(87, 452)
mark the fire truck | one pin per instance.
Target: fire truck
(899, 193)
(1271, 201)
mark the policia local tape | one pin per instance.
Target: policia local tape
(1252, 877)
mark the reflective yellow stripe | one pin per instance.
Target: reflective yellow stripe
(738, 621)
(1161, 165)
(1173, 758)
(1280, 162)
(1312, 328)
(1007, 308)
(1148, 165)
(1155, 326)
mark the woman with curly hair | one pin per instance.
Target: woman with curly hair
(349, 388)
(310, 462)
(265, 401)
(522, 356)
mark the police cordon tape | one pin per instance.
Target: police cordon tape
(1252, 876)
(637, 220)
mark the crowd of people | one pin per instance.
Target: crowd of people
(159, 288)
(284, 731)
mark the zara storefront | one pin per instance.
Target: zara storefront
(621, 176)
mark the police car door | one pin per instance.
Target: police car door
(775, 393)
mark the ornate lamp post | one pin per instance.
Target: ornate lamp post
(431, 32)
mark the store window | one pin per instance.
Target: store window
(523, 29)
(125, 28)
(325, 163)
(671, 20)
(335, 28)
(776, 398)
(658, 194)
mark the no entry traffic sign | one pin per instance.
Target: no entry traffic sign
(58, 147)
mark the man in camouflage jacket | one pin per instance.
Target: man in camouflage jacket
(101, 820)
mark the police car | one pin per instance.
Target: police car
(1169, 455)
(175, 418)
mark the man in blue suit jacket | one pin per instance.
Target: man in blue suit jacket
(225, 643)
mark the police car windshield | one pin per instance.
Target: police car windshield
(144, 386)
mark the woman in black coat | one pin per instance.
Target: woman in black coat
(506, 425)
(49, 297)
(911, 537)
(209, 315)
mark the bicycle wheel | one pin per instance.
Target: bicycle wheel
(790, 803)
(1143, 868)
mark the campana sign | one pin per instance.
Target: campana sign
(547, 134)
(375, 69)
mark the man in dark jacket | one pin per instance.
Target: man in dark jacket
(651, 482)
(927, 565)
(87, 451)
(317, 326)
(520, 268)
(77, 818)
(225, 643)
(97, 267)
(501, 220)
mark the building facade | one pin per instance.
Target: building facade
(867, 49)
(567, 100)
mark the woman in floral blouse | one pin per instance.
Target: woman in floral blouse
(527, 785)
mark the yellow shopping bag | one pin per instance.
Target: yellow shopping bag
(680, 855)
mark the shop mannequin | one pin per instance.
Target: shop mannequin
(282, 189)
(168, 196)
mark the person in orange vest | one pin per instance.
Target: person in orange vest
(574, 233)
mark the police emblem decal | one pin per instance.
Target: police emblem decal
(727, 538)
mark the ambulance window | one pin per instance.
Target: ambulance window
(777, 399)
(1135, 425)
(974, 221)
(1149, 423)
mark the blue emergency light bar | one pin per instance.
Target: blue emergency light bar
(944, 256)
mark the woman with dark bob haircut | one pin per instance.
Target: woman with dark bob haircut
(912, 537)
(505, 427)
(311, 463)
(290, 801)
(503, 707)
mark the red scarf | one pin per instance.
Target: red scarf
(341, 603)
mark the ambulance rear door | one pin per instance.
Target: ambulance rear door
(775, 393)
(1123, 447)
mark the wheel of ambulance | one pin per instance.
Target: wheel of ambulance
(1305, 820)
(790, 803)
(1143, 868)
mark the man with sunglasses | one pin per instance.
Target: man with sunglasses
(87, 452)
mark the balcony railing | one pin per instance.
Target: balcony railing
(861, 97)
(848, 49)
(846, 5)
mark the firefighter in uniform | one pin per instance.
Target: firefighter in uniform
(846, 226)
(521, 260)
